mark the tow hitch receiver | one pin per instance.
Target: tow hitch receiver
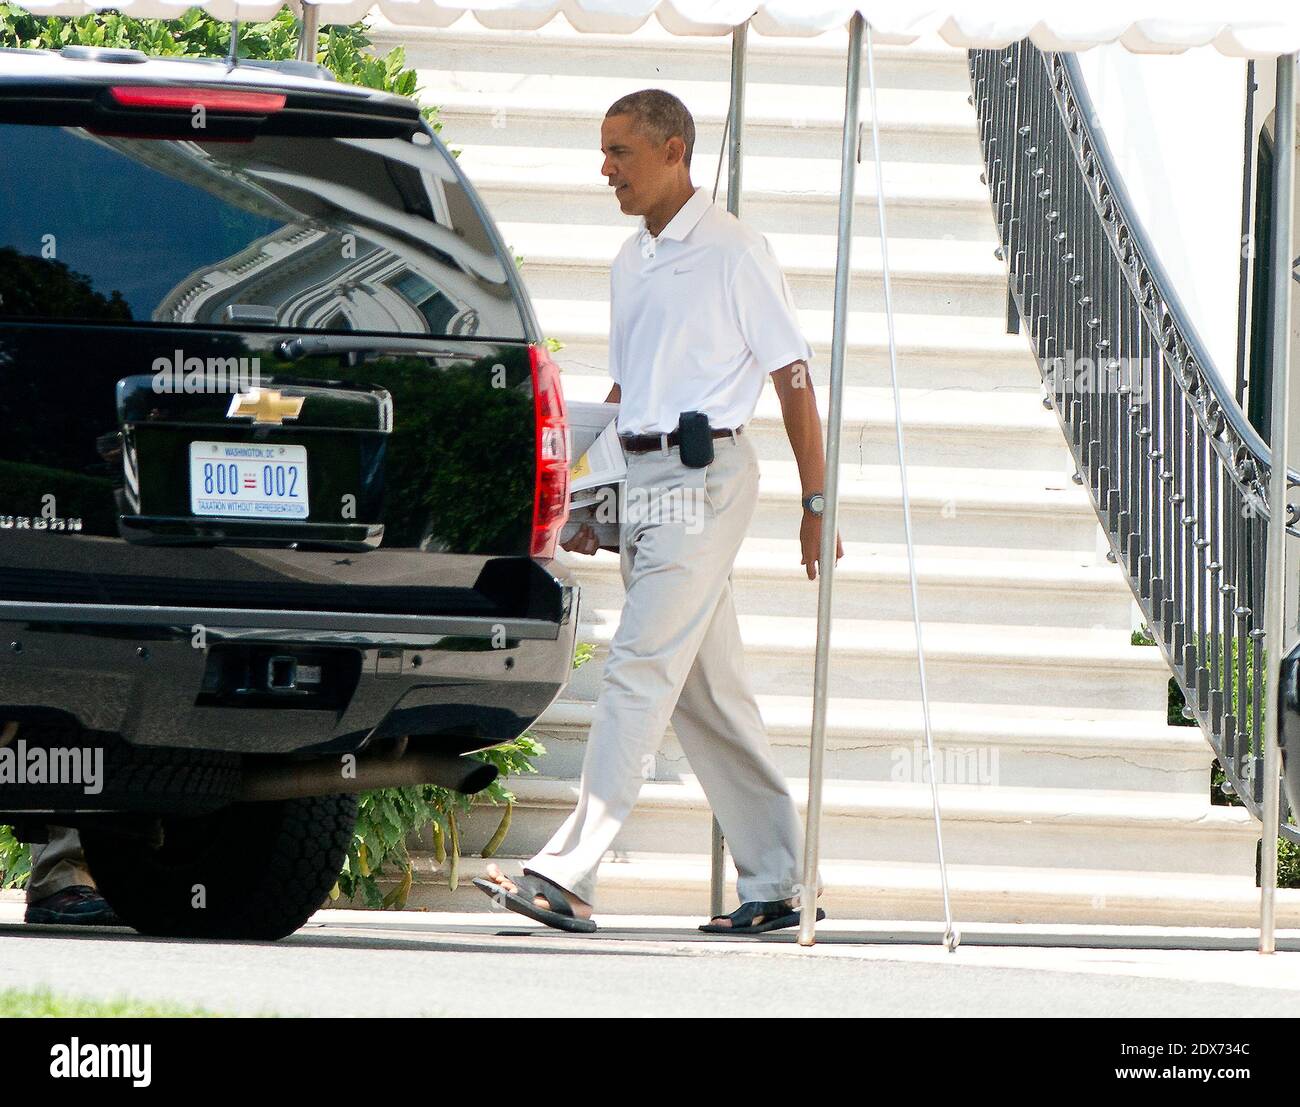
(264, 676)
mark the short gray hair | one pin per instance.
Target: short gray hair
(660, 114)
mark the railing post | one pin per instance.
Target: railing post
(1275, 582)
(735, 146)
(839, 339)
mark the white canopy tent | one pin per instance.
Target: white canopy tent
(1242, 28)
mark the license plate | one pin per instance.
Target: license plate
(246, 481)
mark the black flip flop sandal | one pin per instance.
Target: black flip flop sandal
(560, 915)
(775, 913)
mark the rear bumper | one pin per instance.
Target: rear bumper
(189, 677)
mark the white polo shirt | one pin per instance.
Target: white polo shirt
(699, 316)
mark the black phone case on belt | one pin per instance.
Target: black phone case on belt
(694, 441)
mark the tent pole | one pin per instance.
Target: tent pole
(826, 555)
(310, 31)
(735, 130)
(950, 934)
(1274, 569)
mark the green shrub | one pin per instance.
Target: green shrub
(342, 49)
(388, 817)
(15, 861)
(1288, 852)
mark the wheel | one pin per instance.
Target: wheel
(250, 870)
(127, 777)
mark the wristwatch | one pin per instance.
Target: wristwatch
(815, 503)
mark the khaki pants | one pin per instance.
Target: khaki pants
(57, 864)
(677, 653)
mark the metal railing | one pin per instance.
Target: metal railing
(1177, 475)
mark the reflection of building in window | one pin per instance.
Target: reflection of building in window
(436, 307)
(339, 322)
(303, 276)
(376, 235)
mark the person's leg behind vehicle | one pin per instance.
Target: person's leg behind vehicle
(60, 888)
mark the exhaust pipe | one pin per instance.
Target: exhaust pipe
(322, 778)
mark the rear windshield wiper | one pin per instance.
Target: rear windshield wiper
(294, 349)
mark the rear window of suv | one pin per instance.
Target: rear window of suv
(281, 231)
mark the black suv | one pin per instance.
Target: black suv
(283, 462)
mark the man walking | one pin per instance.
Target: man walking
(701, 314)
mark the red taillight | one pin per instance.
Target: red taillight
(551, 487)
(186, 99)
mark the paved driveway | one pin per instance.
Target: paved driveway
(416, 963)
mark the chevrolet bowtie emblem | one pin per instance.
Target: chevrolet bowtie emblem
(264, 405)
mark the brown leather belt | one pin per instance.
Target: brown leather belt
(640, 443)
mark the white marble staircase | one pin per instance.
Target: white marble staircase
(1066, 796)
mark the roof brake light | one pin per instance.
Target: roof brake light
(168, 97)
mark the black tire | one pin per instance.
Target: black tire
(133, 778)
(250, 870)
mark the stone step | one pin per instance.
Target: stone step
(970, 368)
(572, 261)
(1056, 810)
(781, 120)
(965, 508)
(579, 245)
(934, 351)
(1019, 828)
(872, 581)
(896, 552)
(1009, 745)
(678, 884)
(953, 427)
(538, 184)
(964, 662)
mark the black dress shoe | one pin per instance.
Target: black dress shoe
(78, 905)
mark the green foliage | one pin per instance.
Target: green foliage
(1288, 852)
(438, 467)
(343, 50)
(15, 860)
(389, 816)
(1228, 665)
(1288, 864)
(41, 1003)
(1239, 694)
